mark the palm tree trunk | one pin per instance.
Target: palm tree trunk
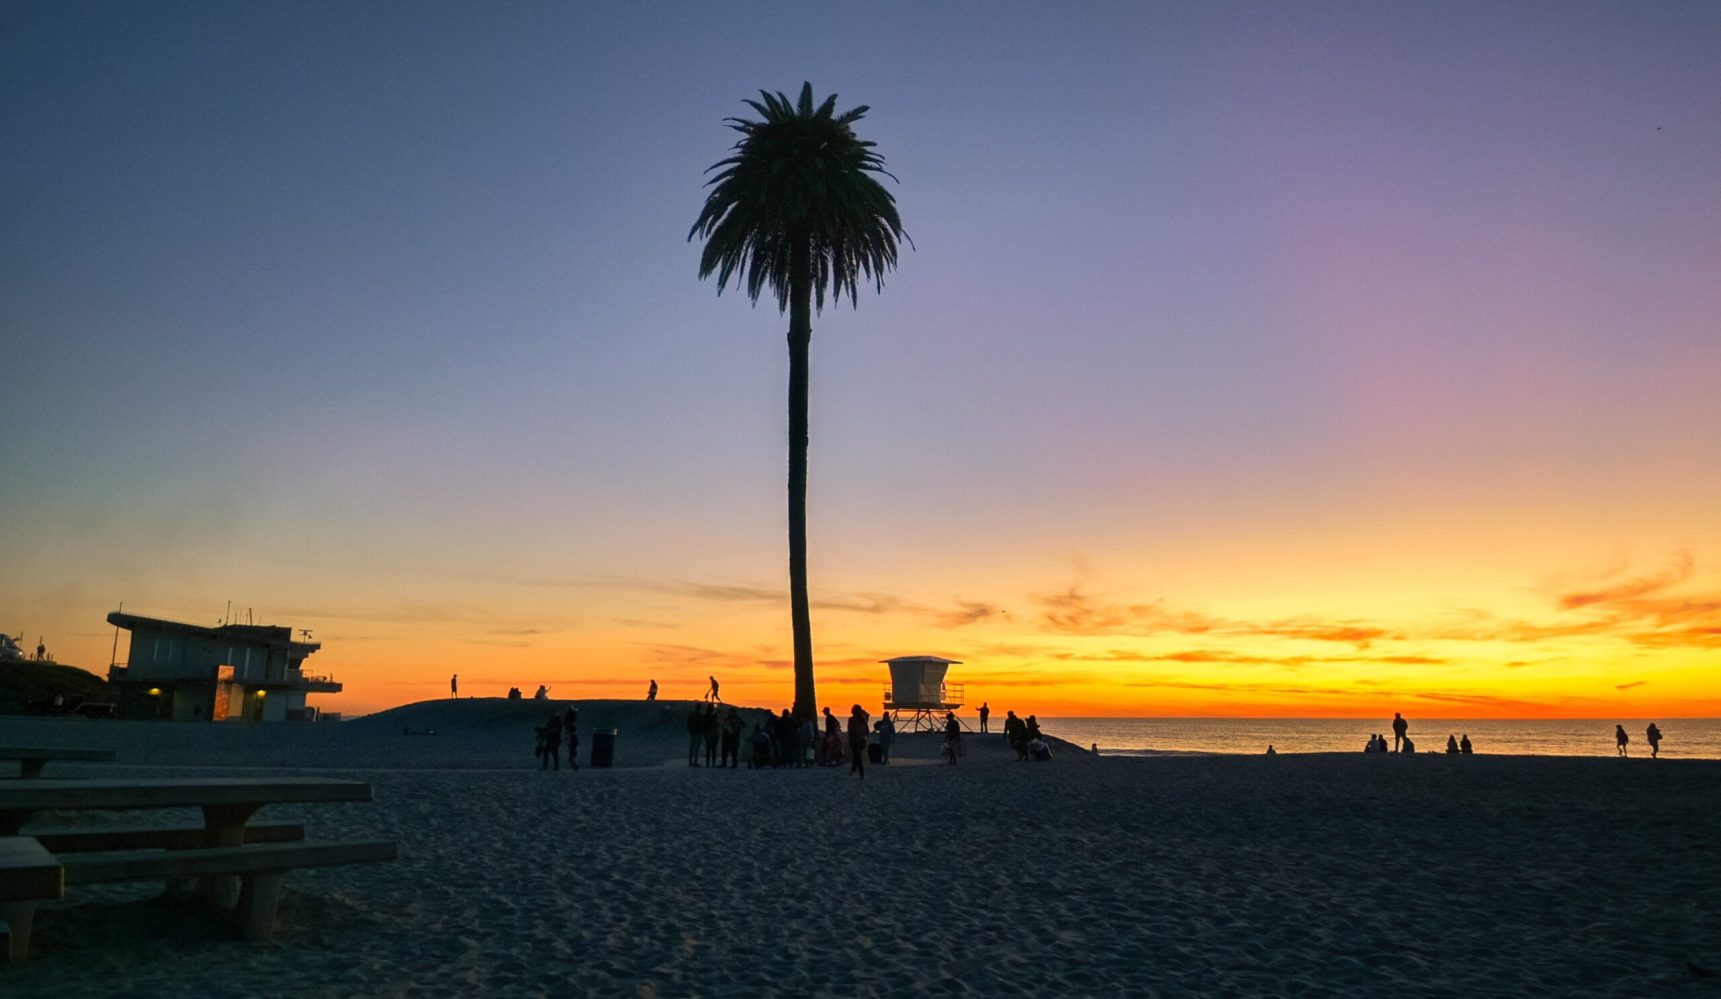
(800, 342)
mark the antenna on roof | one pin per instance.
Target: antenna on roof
(305, 633)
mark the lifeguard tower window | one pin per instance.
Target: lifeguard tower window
(919, 691)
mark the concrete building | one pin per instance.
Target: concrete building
(234, 672)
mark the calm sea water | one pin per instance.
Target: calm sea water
(1687, 738)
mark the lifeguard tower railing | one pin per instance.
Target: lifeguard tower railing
(925, 712)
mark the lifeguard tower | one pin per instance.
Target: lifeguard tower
(918, 690)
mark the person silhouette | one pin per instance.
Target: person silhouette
(1464, 744)
(1271, 751)
(711, 695)
(1399, 727)
(454, 685)
(985, 713)
(1653, 734)
(1620, 739)
(651, 692)
(952, 736)
(858, 728)
(1451, 743)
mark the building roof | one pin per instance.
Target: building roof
(923, 659)
(273, 636)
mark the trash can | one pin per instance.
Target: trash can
(603, 747)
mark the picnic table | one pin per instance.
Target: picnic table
(31, 759)
(36, 866)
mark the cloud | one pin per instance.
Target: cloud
(1681, 569)
(1629, 686)
(966, 612)
(1070, 610)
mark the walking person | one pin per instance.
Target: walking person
(952, 736)
(711, 695)
(1399, 727)
(857, 740)
(651, 692)
(985, 713)
(1620, 739)
(1653, 734)
(886, 729)
(454, 686)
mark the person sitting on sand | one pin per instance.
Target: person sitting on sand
(1620, 739)
(886, 729)
(1653, 734)
(1451, 743)
(543, 693)
(1271, 751)
(1464, 744)
(1038, 751)
(761, 743)
(1409, 746)
(857, 740)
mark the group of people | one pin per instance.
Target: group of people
(1653, 734)
(708, 730)
(561, 727)
(1024, 737)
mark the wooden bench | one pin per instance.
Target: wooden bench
(58, 841)
(31, 759)
(261, 866)
(29, 876)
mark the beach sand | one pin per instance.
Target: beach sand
(1309, 875)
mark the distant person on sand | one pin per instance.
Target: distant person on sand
(651, 692)
(1399, 727)
(1016, 734)
(454, 685)
(985, 713)
(952, 736)
(711, 695)
(1033, 727)
(571, 730)
(833, 740)
(732, 726)
(550, 743)
(1620, 739)
(1451, 743)
(858, 728)
(1409, 747)
(1373, 744)
(1271, 751)
(713, 731)
(1464, 744)
(886, 729)
(543, 693)
(695, 735)
(1653, 734)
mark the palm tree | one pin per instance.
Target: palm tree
(797, 207)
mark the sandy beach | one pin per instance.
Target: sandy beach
(1306, 875)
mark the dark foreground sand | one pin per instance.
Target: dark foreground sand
(1302, 875)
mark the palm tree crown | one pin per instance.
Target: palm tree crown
(798, 176)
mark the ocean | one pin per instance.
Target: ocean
(1682, 738)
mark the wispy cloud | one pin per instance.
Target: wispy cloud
(1629, 686)
(1628, 591)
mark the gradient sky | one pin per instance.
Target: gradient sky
(1295, 359)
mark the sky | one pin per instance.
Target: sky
(1299, 359)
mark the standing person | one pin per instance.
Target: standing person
(886, 730)
(952, 736)
(857, 740)
(713, 727)
(551, 738)
(732, 725)
(711, 695)
(1653, 734)
(454, 685)
(1620, 739)
(651, 692)
(985, 713)
(695, 735)
(1016, 734)
(1399, 727)
(570, 728)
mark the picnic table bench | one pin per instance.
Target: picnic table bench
(242, 862)
(31, 759)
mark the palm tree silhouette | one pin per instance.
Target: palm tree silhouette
(797, 207)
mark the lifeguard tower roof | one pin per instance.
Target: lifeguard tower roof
(917, 687)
